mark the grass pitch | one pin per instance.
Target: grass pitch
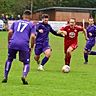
(81, 81)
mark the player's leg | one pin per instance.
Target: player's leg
(85, 56)
(87, 50)
(24, 56)
(68, 52)
(47, 53)
(37, 58)
(86, 53)
(38, 51)
(66, 67)
(68, 56)
(92, 53)
(11, 56)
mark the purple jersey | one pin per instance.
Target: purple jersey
(44, 37)
(41, 37)
(22, 30)
(91, 41)
(91, 29)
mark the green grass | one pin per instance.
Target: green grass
(81, 81)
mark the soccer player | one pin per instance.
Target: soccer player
(71, 40)
(42, 41)
(91, 34)
(19, 35)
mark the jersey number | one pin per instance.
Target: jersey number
(21, 27)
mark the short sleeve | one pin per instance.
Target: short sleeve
(33, 28)
(62, 29)
(80, 28)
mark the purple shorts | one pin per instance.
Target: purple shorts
(24, 56)
(90, 43)
(39, 48)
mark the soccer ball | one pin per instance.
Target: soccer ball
(66, 69)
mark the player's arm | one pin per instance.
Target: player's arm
(62, 31)
(32, 40)
(90, 34)
(55, 33)
(32, 37)
(85, 33)
(93, 33)
(80, 28)
(10, 33)
(39, 28)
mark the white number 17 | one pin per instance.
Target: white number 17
(21, 27)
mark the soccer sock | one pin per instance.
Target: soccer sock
(86, 57)
(26, 70)
(45, 59)
(92, 53)
(67, 59)
(7, 68)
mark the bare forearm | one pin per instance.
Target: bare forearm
(85, 33)
(32, 41)
(9, 35)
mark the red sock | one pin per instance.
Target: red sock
(67, 59)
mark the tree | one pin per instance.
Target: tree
(18, 6)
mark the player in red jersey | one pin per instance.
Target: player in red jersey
(71, 40)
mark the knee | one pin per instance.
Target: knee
(36, 57)
(68, 52)
(85, 51)
(48, 54)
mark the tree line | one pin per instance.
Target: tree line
(18, 6)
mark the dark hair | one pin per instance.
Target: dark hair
(27, 12)
(45, 16)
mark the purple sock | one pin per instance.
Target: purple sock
(7, 68)
(86, 57)
(26, 70)
(45, 59)
(92, 53)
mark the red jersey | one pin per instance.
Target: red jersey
(72, 34)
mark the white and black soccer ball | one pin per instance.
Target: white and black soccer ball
(66, 69)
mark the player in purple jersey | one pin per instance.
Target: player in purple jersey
(91, 34)
(21, 33)
(42, 41)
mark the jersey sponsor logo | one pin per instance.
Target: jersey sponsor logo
(72, 34)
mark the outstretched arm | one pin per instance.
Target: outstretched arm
(55, 33)
(62, 32)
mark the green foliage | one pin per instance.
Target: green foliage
(18, 6)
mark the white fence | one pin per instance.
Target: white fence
(55, 24)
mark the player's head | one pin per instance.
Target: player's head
(27, 15)
(72, 22)
(91, 21)
(45, 18)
